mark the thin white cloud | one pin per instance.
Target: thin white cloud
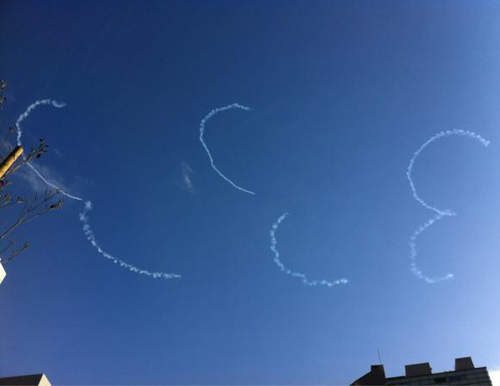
(28, 175)
(187, 181)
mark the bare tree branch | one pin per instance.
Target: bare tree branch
(32, 208)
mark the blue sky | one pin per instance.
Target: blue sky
(341, 95)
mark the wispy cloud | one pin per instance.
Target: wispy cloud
(29, 176)
(187, 181)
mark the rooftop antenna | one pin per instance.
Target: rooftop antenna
(379, 357)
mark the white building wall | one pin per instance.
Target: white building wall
(2, 273)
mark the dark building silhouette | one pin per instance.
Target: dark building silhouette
(421, 374)
(26, 380)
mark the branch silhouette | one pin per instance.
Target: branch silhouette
(26, 208)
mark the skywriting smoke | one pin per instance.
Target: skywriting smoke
(92, 240)
(439, 213)
(210, 157)
(283, 268)
(21, 118)
(83, 216)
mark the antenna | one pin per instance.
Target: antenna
(379, 357)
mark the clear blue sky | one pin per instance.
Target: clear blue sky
(342, 94)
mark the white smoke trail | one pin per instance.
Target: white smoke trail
(281, 266)
(87, 230)
(28, 111)
(439, 213)
(21, 118)
(91, 238)
(202, 132)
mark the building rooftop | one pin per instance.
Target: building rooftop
(26, 380)
(421, 374)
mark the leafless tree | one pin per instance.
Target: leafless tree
(23, 209)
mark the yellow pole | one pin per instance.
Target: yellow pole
(7, 162)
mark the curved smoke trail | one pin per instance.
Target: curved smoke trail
(439, 213)
(83, 216)
(91, 238)
(202, 132)
(281, 266)
(21, 118)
